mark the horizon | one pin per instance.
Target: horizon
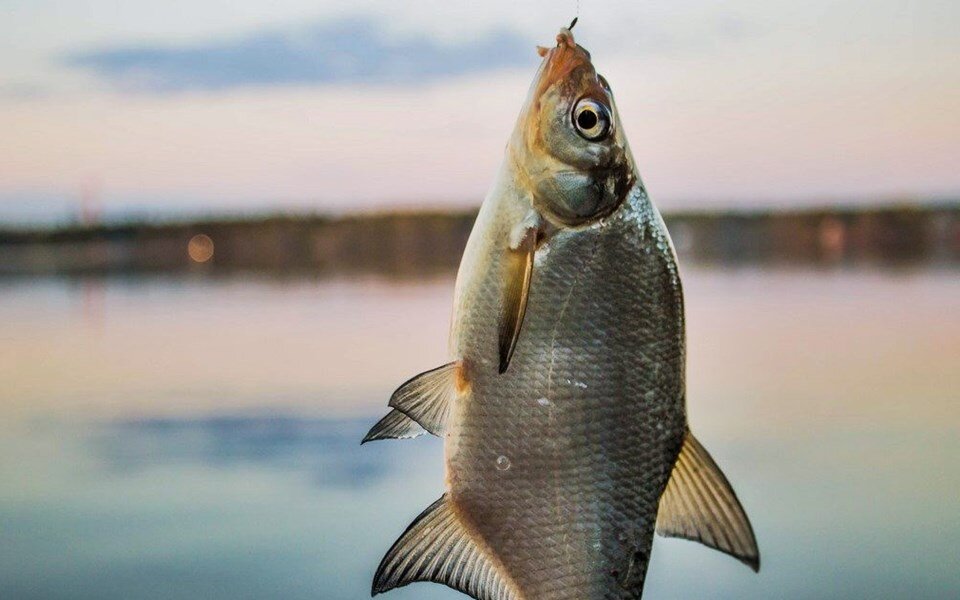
(146, 216)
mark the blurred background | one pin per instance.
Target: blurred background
(228, 230)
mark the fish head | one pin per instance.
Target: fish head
(568, 146)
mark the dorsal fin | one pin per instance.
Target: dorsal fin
(700, 505)
(426, 398)
(518, 271)
(436, 547)
(394, 426)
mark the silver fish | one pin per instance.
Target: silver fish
(563, 409)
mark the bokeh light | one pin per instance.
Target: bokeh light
(200, 248)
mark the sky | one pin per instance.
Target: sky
(215, 107)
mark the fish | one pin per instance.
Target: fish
(563, 406)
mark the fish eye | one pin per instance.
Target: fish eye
(591, 119)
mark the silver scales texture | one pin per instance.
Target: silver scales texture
(558, 464)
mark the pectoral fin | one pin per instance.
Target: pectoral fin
(700, 505)
(517, 274)
(427, 397)
(437, 547)
(394, 426)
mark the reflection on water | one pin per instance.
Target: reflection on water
(201, 440)
(324, 448)
(201, 509)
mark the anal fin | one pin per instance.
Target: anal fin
(700, 505)
(427, 397)
(436, 547)
(394, 426)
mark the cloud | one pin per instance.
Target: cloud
(355, 50)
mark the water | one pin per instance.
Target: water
(177, 438)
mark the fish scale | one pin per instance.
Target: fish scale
(563, 407)
(596, 434)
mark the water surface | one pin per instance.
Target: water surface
(181, 438)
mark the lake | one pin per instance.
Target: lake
(199, 438)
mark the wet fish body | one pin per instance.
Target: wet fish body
(563, 410)
(560, 462)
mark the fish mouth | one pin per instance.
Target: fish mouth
(562, 60)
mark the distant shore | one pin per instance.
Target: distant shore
(410, 244)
